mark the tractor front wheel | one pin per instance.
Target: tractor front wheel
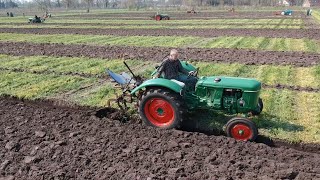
(241, 129)
(161, 108)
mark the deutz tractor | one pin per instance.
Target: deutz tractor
(163, 103)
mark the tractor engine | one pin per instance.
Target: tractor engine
(231, 99)
(235, 95)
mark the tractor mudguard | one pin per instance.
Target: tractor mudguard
(159, 82)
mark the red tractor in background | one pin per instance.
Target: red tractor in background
(159, 17)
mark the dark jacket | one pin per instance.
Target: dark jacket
(171, 69)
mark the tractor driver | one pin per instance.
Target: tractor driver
(172, 69)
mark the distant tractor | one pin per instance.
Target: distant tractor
(36, 19)
(192, 11)
(159, 17)
(287, 12)
(163, 103)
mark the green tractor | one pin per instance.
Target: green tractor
(163, 103)
(36, 20)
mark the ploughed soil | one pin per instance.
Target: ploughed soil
(40, 140)
(272, 33)
(250, 57)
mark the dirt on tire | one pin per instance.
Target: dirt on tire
(42, 141)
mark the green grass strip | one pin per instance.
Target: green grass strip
(293, 116)
(97, 96)
(316, 15)
(33, 86)
(143, 41)
(264, 43)
(268, 74)
(260, 43)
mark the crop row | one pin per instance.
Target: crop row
(268, 74)
(33, 86)
(316, 15)
(258, 43)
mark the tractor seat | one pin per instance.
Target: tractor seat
(181, 84)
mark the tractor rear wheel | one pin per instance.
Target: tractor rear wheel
(161, 108)
(158, 17)
(241, 129)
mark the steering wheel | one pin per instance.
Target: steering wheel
(194, 74)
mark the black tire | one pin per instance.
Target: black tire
(237, 124)
(260, 104)
(166, 18)
(172, 108)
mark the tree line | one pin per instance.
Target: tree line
(138, 4)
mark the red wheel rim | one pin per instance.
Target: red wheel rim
(158, 18)
(241, 132)
(159, 112)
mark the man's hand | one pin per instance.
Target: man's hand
(191, 73)
(156, 76)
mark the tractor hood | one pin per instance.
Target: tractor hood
(244, 84)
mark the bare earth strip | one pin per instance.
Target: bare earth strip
(250, 57)
(43, 141)
(272, 33)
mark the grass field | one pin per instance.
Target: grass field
(289, 114)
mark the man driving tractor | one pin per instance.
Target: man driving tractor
(163, 102)
(171, 68)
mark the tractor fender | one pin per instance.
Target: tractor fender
(159, 82)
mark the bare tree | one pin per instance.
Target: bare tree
(42, 5)
(67, 3)
(58, 4)
(88, 3)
